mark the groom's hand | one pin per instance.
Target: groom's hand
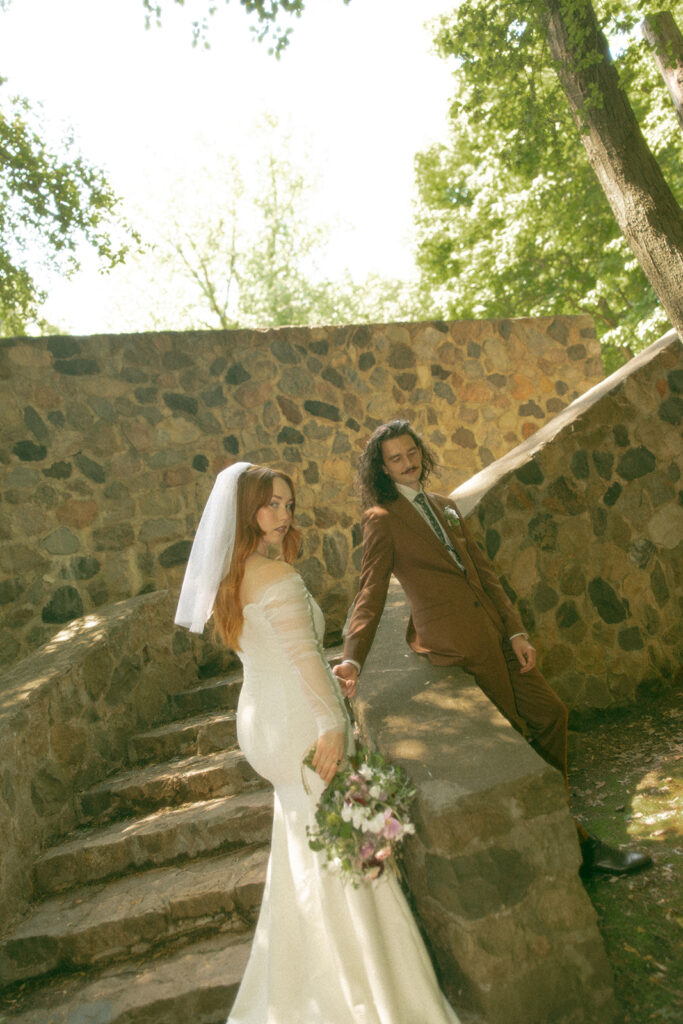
(347, 674)
(526, 654)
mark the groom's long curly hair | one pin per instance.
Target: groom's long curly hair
(375, 486)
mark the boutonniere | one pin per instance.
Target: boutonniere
(452, 517)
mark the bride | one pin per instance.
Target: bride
(323, 952)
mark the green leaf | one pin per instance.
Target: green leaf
(511, 219)
(50, 203)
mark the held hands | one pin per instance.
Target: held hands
(347, 674)
(330, 751)
(526, 654)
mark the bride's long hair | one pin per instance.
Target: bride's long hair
(254, 490)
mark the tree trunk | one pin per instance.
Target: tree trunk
(663, 35)
(642, 202)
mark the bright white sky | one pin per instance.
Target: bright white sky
(358, 86)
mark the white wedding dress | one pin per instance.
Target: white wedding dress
(323, 952)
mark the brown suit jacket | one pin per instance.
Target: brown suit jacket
(446, 606)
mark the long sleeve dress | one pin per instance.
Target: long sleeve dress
(323, 951)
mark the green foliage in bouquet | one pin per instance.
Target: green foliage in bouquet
(362, 816)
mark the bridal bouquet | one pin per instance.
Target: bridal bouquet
(361, 816)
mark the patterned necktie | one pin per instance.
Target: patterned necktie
(422, 501)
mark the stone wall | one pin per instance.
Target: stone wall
(493, 867)
(110, 444)
(584, 522)
(66, 713)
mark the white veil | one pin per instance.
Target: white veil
(211, 552)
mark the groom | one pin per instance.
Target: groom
(460, 613)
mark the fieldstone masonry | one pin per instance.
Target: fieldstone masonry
(66, 714)
(493, 867)
(110, 444)
(583, 520)
(585, 525)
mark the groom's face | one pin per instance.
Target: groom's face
(403, 461)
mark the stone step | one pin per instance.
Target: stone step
(216, 695)
(136, 915)
(172, 834)
(200, 735)
(181, 781)
(196, 985)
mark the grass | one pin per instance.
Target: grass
(627, 788)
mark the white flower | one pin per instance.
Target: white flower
(357, 815)
(366, 771)
(361, 818)
(375, 791)
(376, 824)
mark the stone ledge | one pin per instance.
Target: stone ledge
(469, 494)
(111, 442)
(583, 522)
(66, 714)
(493, 867)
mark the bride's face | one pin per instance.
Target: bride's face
(275, 518)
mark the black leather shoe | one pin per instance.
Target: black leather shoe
(598, 858)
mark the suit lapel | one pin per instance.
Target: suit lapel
(413, 520)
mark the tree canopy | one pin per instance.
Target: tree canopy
(51, 201)
(241, 245)
(270, 15)
(511, 218)
(542, 79)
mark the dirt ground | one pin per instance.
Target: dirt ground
(626, 776)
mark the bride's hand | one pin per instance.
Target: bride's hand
(329, 754)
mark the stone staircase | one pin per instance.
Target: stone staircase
(145, 914)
